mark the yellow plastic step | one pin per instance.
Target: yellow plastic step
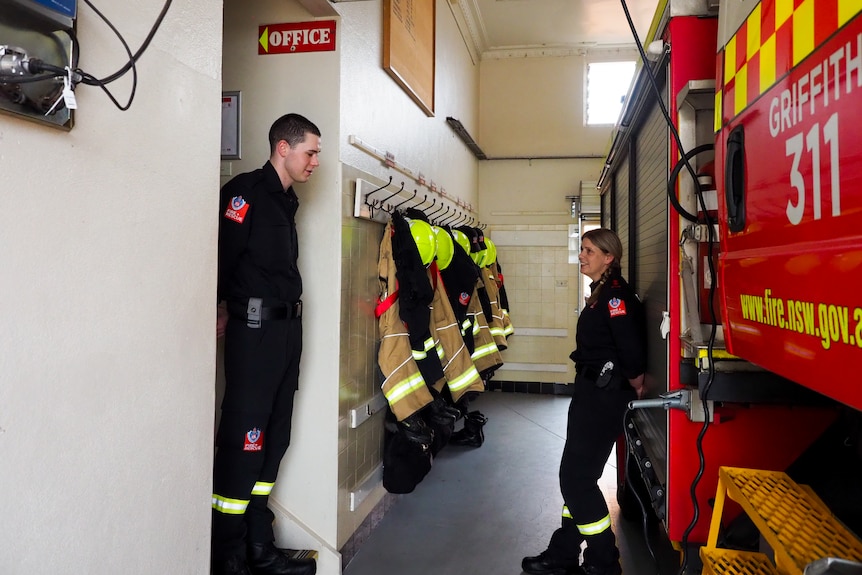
(731, 562)
(795, 523)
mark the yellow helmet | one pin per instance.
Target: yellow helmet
(492, 252)
(479, 257)
(445, 247)
(462, 240)
(425, 240)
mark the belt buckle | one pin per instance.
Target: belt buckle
(297, 309)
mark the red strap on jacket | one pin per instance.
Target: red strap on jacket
(383, 305)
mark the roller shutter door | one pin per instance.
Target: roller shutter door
(649, 276)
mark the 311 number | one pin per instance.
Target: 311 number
(793, 147)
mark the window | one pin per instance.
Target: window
(607, 86)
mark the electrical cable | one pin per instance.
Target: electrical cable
(37, 67)
(711, 241)
(102, 83)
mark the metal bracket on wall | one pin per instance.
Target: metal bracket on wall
(363, 413)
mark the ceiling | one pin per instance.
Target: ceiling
(505, 26)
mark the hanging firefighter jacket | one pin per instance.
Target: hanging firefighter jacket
(459, 278)
(404, 387)
(458, 367)
(495, 322)
(502, 299)
(416, 295)
(486, 355)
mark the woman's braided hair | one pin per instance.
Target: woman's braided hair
(610, 244)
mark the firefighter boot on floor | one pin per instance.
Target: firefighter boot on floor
(231, 566)
(267, 559)
(416, 430)
(545, 564)
(471, 435)
(612, 569)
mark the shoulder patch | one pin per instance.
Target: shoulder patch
(616, 307)
(237, 209)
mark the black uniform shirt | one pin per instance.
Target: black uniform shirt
(257, 245)
(612, 330)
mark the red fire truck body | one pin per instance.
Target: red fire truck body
(789, 85)
(778, 102)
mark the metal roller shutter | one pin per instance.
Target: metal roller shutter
(649, 276)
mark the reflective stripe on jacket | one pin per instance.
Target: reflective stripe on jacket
(458, 367)
(404, 387)
(486, 355)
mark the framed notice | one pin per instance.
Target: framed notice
(231, 148)
(408, 48)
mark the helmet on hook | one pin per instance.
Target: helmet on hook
(445, 247)
(425, 240)
(480, 257)
(462, 240)
(492, 252)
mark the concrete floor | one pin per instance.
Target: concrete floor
(481, 510)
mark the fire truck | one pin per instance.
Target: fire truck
(734, 180)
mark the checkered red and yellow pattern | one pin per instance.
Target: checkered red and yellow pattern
(776, 36)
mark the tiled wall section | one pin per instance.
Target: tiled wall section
(542, 288)
(359, 450)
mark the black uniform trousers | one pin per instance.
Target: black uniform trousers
(595, 422)
(261, 378)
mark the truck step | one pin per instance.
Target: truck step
(732, 562)
(795, 523)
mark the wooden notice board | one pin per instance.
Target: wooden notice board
(408, 48)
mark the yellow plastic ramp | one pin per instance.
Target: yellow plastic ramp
(795, 523)
(730, 562)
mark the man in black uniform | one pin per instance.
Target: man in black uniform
(610, 362)
(260, 285)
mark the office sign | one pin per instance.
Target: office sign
(293, 37)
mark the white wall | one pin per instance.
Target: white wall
(375, 109)
(304, 497)
(108, 288)
(532, 111)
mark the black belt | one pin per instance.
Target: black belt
(254, 312)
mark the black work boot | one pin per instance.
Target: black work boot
(416, 430)
(544, 564)
(471, 435)
(612, 569)
(267, 559)
(232, 566)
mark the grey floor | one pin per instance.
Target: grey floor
(481, 510)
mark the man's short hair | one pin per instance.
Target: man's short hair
(292, 129)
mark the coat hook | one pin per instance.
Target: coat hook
(405, 201)
(401, 189)
(368, 195)
(437, 211)
(424, 199)
(425, 210)
(448, 221)
(444, 215)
